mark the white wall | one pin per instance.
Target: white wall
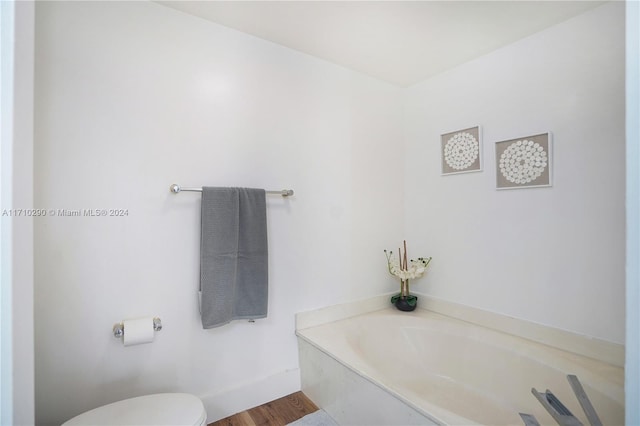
(549, 255)
(17, 369)
(132, 97)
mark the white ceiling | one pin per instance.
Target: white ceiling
(401, 42)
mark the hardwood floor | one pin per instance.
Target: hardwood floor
(275, 413)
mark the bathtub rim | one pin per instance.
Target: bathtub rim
(591, 347)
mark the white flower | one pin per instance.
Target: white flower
(415, 269)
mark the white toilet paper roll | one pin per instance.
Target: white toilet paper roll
(137, 331)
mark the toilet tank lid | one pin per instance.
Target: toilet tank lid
(158, 409)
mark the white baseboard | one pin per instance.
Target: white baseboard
(251, 394)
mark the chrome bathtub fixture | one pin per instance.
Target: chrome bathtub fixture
(560, 413)
(557, 409)
(584, 401)
(175, 188)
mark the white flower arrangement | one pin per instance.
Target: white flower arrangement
(405, 270)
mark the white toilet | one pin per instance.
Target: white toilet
(175, 409)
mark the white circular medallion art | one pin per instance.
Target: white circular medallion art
(523, 162)
(461, 151)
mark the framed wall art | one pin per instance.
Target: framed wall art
(461, 151)
(524, 162)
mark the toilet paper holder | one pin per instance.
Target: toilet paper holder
(118, 328)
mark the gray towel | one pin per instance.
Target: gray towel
(233, 255)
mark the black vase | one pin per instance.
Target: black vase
(406, 303)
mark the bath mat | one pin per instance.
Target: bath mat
(317, 418)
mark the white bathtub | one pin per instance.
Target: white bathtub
(444, 371)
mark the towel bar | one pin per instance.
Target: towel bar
(175, 188)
